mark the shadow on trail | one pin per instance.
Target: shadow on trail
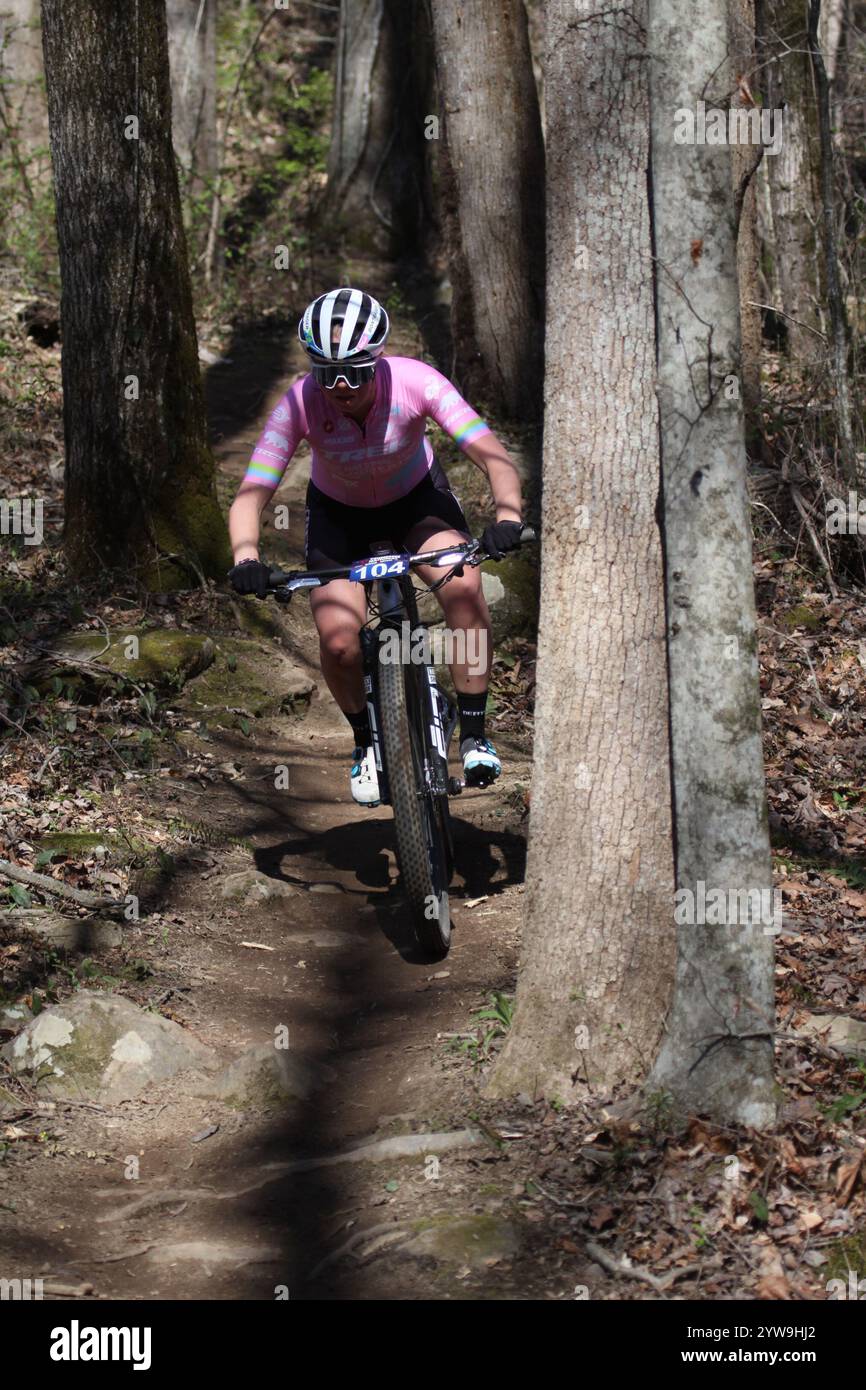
(313, 1213)
(365, 851)
(362, 850)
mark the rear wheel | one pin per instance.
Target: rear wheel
(419, 817)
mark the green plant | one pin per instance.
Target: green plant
(500, 1012)
(660, 1112)
(701, 1237)
(847, 1253)
(498, 1016)
(846, 1104)
(19, 895)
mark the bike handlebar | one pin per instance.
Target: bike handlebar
(470, 553)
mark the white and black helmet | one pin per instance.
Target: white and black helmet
(363, 322)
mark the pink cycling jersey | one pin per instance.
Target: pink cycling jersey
(374, 463)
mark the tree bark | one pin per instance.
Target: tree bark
(139, 476)
(598, 953)
(21, 69)
(793, 174)
(192, 63)
(853, 467)
(834, 18)
(536, 19)
(744, 170)
(495, 159)
(717, 1055)
(379, 188)
(23, 112)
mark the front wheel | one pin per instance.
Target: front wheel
(422, 848)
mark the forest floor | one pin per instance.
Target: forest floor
(387, 1173)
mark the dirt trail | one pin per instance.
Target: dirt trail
(221, 1217)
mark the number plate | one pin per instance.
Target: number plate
(379, 567)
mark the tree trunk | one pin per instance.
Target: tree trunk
(139, 475)
(536, 19)
(21, 68)
(598, 953)
(495, 156)
(793, 174)
(23, 112)
(717, 1055)
(834, 18)
(379, 188)
(192, 63)
(744, 169)
(853, 465)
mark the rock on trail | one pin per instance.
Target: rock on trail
(103, 1047)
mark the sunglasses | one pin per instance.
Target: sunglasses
(329, 373)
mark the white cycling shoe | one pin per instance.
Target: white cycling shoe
(364, 778)
(481, 764)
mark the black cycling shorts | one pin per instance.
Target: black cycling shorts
(336, 534)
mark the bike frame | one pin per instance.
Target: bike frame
(418, 721)
(395, 602)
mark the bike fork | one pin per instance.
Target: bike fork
(369, 643)
(443, 721)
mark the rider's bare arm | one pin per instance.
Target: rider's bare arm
(491, 456)
(244, 520)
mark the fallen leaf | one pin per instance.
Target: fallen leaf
(846, 1179)
(773, 1286)
(600, 1217)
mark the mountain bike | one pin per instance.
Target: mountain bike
(412, 720)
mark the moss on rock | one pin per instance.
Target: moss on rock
(257, 618)
(101, 1045)
(159, 656)
(470, 1239)
(84, 844)
(246, 679)
(800, 616)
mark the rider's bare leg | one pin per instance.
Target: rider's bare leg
(465, 608)
(339, 611)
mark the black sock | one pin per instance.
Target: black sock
(360, 723)
(471, 710)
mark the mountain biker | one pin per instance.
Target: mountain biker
(374, 476)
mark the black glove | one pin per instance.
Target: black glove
(251, 577)
(500, 537)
